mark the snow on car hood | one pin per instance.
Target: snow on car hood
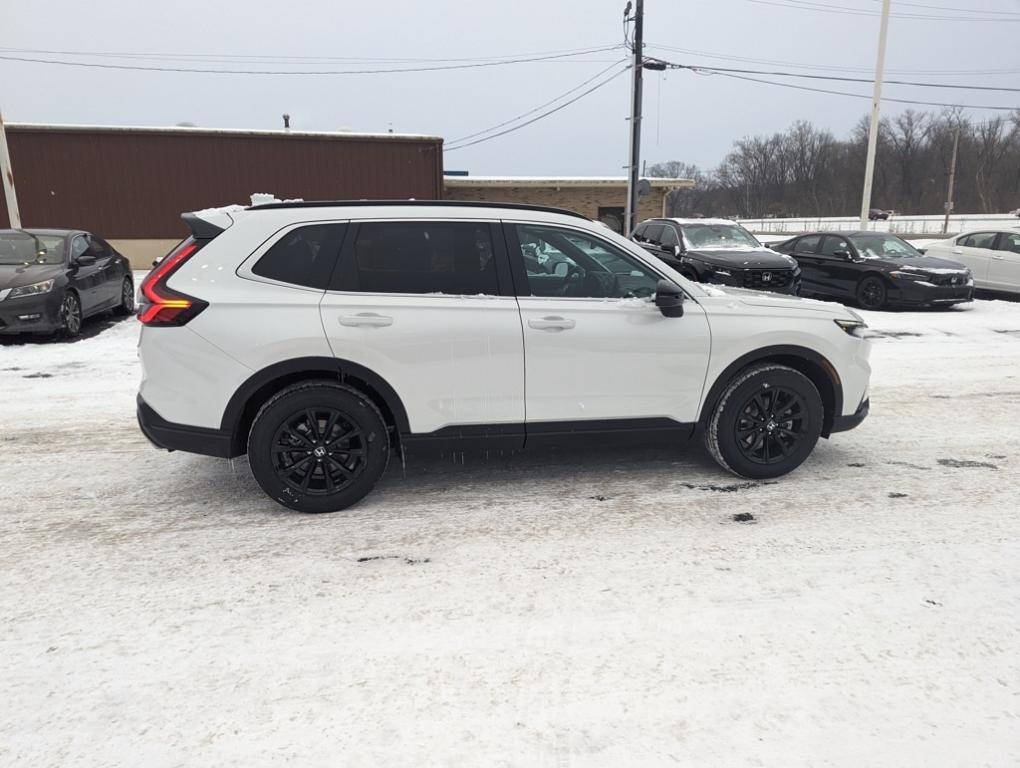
(722, 295)
(930, 264)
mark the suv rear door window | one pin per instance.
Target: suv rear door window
(445, 257)
(303, 256)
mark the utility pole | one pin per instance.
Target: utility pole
(630, 212)
(876, 105)
(952, 179)
(8, 179)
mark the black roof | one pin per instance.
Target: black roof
(423, 203)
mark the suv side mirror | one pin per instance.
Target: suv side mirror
(85, 259)
(845, 255)
(677, 250)
(669, 299)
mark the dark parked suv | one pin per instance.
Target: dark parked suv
(718, 251)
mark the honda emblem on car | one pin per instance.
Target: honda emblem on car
(766, 277)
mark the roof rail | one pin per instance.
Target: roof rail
(424, 203)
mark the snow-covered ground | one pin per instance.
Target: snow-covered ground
(594, 609)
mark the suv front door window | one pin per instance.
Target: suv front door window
(573, 264)
(596, 345)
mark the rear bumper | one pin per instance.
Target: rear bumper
(182, 437)
(844, 423)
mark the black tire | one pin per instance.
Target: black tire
(871, 293)
(766, 422)
(70, 315)
(285, 456)
(127, 298)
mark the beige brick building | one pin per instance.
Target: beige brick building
(597, 197)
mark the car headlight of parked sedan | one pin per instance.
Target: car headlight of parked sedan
(31, 290)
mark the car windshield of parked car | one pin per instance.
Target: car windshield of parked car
(883, 247)
(718, 236)
(26, 248)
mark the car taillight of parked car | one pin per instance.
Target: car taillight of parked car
(161, 306)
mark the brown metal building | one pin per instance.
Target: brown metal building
(131, 184)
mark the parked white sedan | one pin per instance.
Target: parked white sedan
(993, 256)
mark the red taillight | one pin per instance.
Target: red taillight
(161, 306)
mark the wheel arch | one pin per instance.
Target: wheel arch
(807, 361)
(258, 388)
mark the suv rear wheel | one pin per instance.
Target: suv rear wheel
(766, 423)
(318, 446)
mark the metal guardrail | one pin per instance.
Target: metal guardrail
(898, 225)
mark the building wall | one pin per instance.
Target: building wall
(583, 200)
(133, 184)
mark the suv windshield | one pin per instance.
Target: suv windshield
(719, 236)
(883, 247)
(26, 248)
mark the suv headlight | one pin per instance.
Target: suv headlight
(31, 290)
(853, 327)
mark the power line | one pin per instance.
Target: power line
(541, 116)
(437, 68)
(837, 78)
(857, 11)
(263, 58)
(832, 67)
(563, 95)
(960, 10)
(857, 95)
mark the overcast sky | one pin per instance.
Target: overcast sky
(688, 117)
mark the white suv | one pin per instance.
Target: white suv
(318, 338)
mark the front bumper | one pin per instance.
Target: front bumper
(183, 437)
(844, 423)
(775, 281)
(31, 314)
(922, 294)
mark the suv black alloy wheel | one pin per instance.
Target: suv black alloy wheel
(318, 446)
(766, 422)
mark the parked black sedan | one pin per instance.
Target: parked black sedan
(876, 270)
(52, 279)
(718, 251)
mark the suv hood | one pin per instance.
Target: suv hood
(746, 258)
(724, 295)
(17, 275)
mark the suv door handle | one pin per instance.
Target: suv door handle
(551, 323)
(369, 319)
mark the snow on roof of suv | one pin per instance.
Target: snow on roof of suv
(319, 337)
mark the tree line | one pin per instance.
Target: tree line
(806, 171)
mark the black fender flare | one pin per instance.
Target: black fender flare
(807, 361)
(287, 371)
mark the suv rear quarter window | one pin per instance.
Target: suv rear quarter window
(303, 256)
(444, 257)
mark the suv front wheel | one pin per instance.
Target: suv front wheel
(318, 446)
(766, 423)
